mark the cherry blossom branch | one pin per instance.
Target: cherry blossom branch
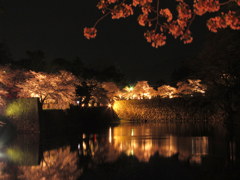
(153, 9)
(224, 3)
(152, 19)
(177, 28)
(190, 23)
(157, 15)
(101, 18)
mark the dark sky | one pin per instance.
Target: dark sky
(56, 27)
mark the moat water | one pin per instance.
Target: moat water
(125, 151)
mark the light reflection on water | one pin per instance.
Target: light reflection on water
(144, 141)
(189, 143)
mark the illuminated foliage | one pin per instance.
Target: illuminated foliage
(225, 20)
(50, 88)
(191, 87)
(8, 80)
(59, 90)
(3, 94)
(90, 32)
(111, 88)
(5, 81)
(142, 90)
(167, 91)
(163, 22)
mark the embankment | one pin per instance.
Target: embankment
(168, 110)
(76, 119)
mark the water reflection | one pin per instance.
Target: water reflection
(88, 146)
(186, 147)
(57, 164)
(186, 144)
(232, 151)
(24, 150)
(165, 148)
(143, 142)
(22, 159)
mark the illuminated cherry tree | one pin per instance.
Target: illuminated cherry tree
(166, 91)
(162, 22)
(3, 95)
(111, 88)
(8, 80)
(50, 88)
(190, 87)
(5, 82)
(127, 93)
(143, 90)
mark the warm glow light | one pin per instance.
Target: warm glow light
(143, 148)
(116, 106)
(132, 132)
(109, 105)
(84, 146)
(110, 135)
(142, 90)
(129, 88)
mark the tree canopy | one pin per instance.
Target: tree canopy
(175, 21)
(56, 88)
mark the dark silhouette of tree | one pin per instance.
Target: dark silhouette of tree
(2, 8)
(181, 74)
(110, 73)
(59, 64)
(77, 67)
(34, 61)
(90, 92)
(84, 93)
(218, 66)
(5, 55)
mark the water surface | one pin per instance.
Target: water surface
(125, 151)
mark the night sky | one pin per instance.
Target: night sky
(56, 27)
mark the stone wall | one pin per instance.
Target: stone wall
(167, 110)
(23, 114)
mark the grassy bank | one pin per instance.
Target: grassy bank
(197, 109)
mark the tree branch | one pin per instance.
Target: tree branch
(157, 15)
(224, 3)
(101, 18)
(190, 23)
